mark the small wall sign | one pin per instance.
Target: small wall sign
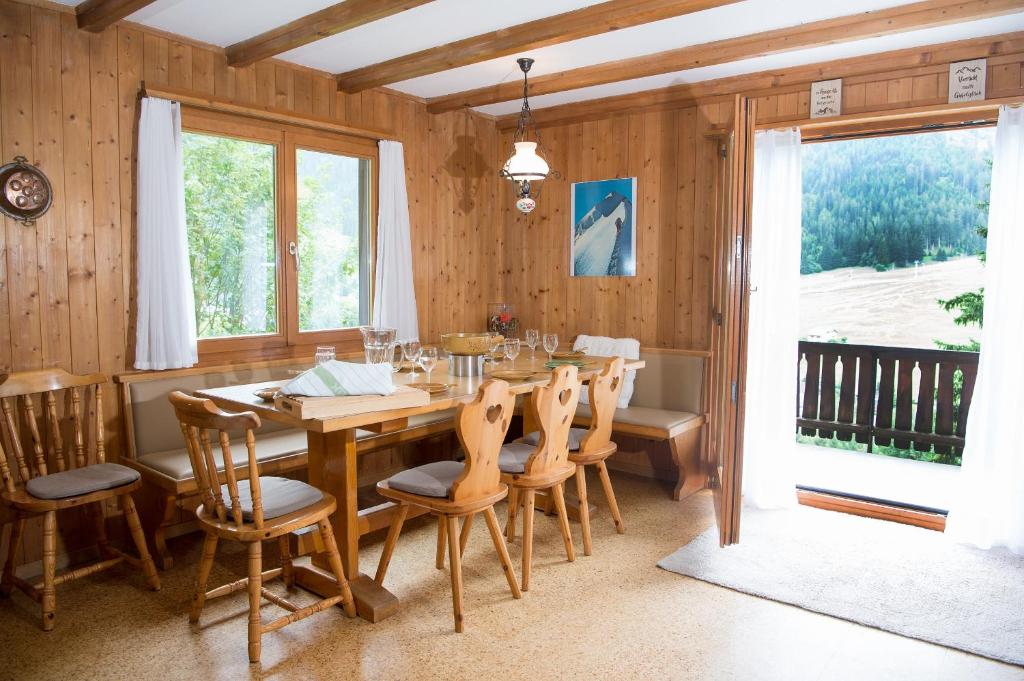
(826, 98)
(967, 80)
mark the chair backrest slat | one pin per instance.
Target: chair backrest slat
(197, 418)
(604, 391)
(56, 441)
(29, 408)
(481, 426)
(57, 390)
(13, 434)
(554, 406)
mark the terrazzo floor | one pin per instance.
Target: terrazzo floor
(613, 615)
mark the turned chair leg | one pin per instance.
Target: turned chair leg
(609, 493)
(467, 523)
(389, 543)
(581, 492)
(513, 510)
(455, 558)
(163, 554)
(334, 560)
(131, 517)
(502, 549)
(255, 585)
(563, 521)
(284, 548)
(205, 564)
(528, 506)
(99, 518)
(442, 542)
(49, 596)
(17, 534)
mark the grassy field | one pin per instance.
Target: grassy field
(895, 308)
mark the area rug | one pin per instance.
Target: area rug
(898, 578)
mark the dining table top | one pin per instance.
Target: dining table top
(462, 389)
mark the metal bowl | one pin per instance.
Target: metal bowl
(25, 192)
(466, 343)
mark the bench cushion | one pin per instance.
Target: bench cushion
(649, 417)
(513, 457)
(175, 463)
(79, 481)
(429, 480)
(575, 438)
(281, 496)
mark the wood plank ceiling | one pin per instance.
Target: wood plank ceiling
(461, 53)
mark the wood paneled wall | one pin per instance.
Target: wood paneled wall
(675, 160)
(68, 102)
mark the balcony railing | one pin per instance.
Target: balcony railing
(904, 397)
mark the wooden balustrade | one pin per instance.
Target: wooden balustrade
(908, 398)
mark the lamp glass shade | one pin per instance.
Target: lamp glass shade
(525, 164)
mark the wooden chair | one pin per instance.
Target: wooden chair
(261, 508)
(56, 477)
(452, 490)
(528, 469)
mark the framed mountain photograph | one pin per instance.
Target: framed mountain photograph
(603, 239)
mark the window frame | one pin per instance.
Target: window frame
(287, 140)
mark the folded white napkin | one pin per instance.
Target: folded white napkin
(603, 346)
(342, 378)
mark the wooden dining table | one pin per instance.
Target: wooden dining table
(333, 457)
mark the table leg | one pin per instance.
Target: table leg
(332, 468)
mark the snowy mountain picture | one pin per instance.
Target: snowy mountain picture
(603, 234)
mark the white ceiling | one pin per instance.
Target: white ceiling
(223, 22)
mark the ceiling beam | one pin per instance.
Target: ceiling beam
(827, 32)
(316, 26)
(892, 64)
(580, 23)
(96, 15)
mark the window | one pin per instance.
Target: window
(279, 233)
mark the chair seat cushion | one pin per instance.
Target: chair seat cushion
(79, 481)
(281, 496)
(513, 457)
(662, 419)
(429, 480)
(575, 438)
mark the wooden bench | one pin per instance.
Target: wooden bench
(668, 404)
(156, 449)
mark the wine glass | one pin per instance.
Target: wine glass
(493, 343)
(428, 360)
(532, 336)
(550, 344)
(324, 353)
(411, 350)
(512, 350)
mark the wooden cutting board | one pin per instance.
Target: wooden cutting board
(328, 407)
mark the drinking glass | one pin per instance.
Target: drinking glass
(411, 350)
(493, 343)
(532, 336)
(512, 350)
(428, 360)
(550, 344)
(324, 353)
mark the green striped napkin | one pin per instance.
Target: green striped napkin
(342, 378)
(555, 363)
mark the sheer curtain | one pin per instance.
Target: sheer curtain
(394, 302)
(166, 322)
(769, 474)
(989, 511)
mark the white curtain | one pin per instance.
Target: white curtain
(166, 322)
(394, 302)
(769, 473)
(989, 510)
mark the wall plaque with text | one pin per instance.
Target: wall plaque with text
(826, 98)
(967, 80)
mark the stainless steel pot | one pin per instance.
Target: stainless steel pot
(466, 365)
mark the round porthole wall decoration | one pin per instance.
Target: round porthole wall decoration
(25, 192)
